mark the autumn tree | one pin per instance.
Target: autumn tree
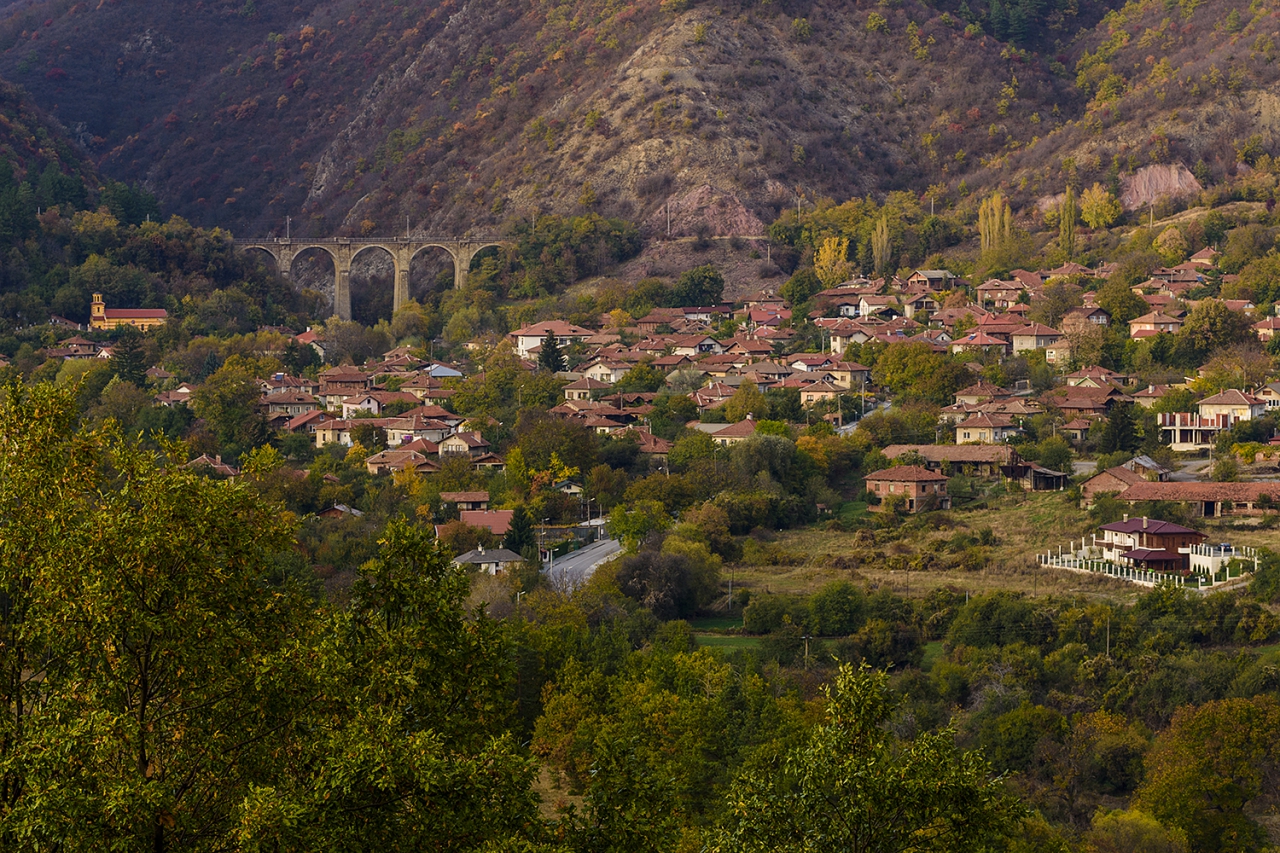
(1208, 765)
(227, 400)
(747, 400)
(916, 371)
(1172, 245)
(831, 261)
(1099, 208)
(995, 222)
(1211, 325)
(881, 245)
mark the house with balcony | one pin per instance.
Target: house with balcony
(1198, 431)
(1147, 543)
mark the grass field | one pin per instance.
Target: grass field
(1023, 526)
(727, 642)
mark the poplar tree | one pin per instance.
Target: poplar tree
(1067, 214)
(880, 245)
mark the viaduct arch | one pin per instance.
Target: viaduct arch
(343, 251)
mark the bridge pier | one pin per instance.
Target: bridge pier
(343, 251)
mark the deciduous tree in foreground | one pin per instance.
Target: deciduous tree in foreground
(855, 787)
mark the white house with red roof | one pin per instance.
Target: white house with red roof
(531, 337)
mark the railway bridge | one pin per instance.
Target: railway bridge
(343, 251)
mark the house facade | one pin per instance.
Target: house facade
(922, 488)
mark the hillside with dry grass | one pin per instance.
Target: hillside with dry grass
(359, 116)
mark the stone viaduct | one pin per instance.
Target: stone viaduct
(343, 251)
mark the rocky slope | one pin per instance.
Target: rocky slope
(364, 116)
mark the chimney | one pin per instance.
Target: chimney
(1144, 522)
(1126, 517)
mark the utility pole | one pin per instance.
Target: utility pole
(287, 222)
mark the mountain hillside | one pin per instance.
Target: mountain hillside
(362, 116)
(33, 143)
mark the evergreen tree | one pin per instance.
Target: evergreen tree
(550, 358)
(520, 536)
(1119, 433)
(128, 359)
(56, 188)
(130, 205)
(211, 364)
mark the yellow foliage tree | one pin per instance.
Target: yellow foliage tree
(831, 262)
(995, 222)
(1098, 207)
(880, 245)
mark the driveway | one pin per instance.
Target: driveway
(572, 570)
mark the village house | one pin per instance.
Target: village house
(529, 338)
(1267, 329)
(467, 500)
(463, 444)
(73, 349)
(392, 460)
(979, 460)
(999, 294)
(1058, 353)
(496, 521)
(584, 388)
(1154, 323)
(1111, 481)
(980, 341)
(1185, 431)
(1033, 337)
(935, 280)
(373, 402)
(734, 433)
(290, 404)
(920, 307)
(922, 488)
(1209, 500)
(1078, 320)
(1147, 543)
(1269, 394)
(494, 561)
(986, 429)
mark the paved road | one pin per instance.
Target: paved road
(1083, 467)
(573, 570)
(1190, 471)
